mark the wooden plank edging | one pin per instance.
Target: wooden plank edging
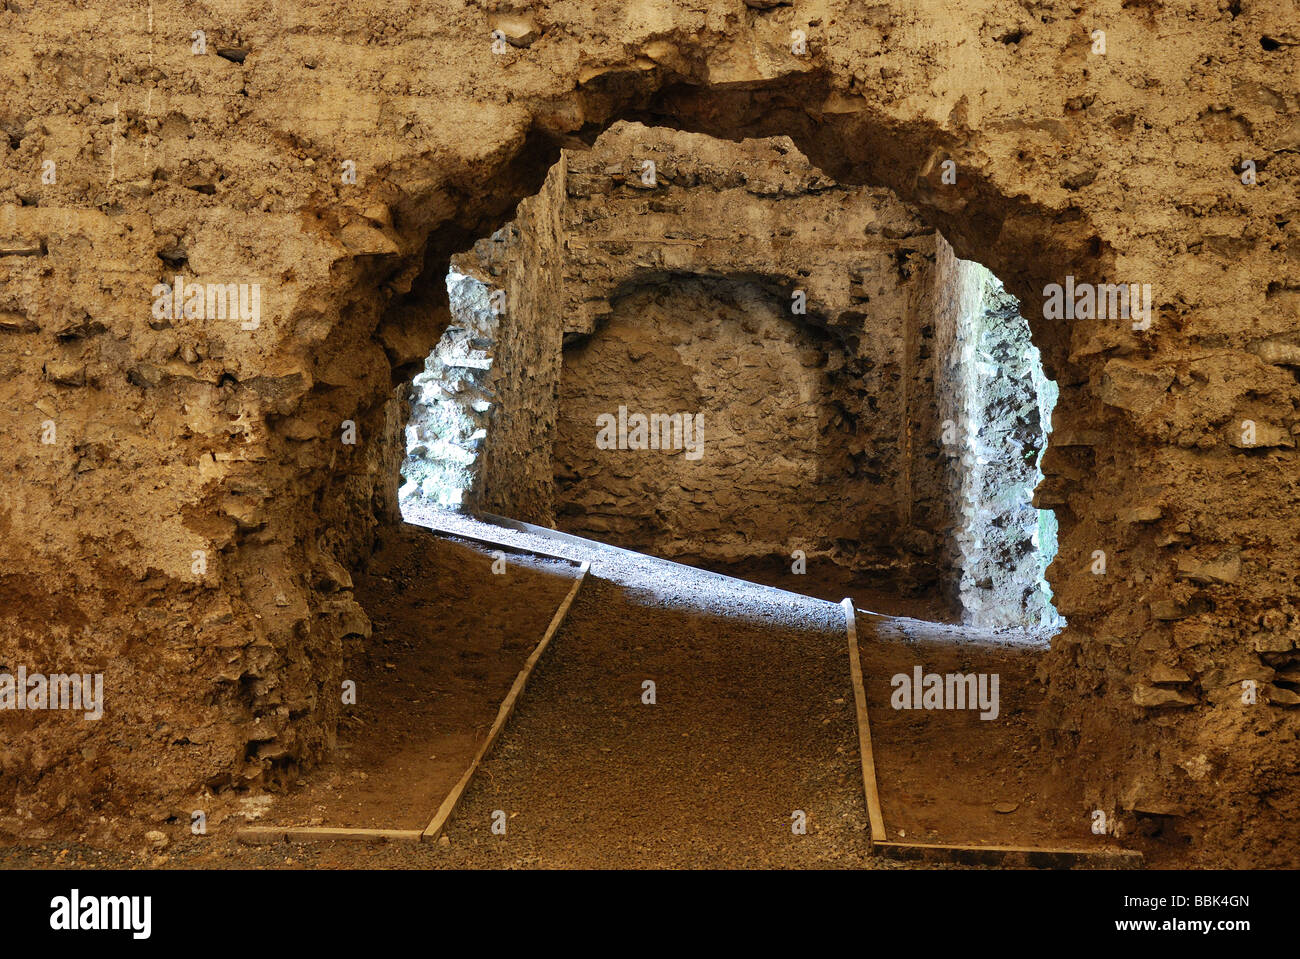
(1004, 856)
(1012, 856)
(864, 728)
(267, 834)
(439, 821)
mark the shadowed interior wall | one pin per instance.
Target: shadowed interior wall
(517, 475)
(761, 215)
(768, 472)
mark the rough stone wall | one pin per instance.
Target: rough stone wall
(994, 407)
(957, 294)
(451, 401)
(761, 472)
(189, 435)
(1005, 541)
(524, 261)
(756, 213)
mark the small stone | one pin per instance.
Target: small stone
(519, 31)
(157, 839)
(1140, 514)
(1005, 807)
(1283, 697)
(1278, 352)
(444, 841)
(1154, 642)
(1226, 568)
(66, 374)
(1163, 674)
(1133, 387)
(1193, 634)
(1167, 609)
(1152, 697)
(1272, 643)
(1265, 435)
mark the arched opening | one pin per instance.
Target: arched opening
(709, 352)
(890, 298)
(876, 412)
(1172, 448)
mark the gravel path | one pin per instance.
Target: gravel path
(673, 584)
(752, 730)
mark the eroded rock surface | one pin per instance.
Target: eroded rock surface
(176, 434)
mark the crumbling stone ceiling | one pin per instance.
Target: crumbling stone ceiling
(191, 435)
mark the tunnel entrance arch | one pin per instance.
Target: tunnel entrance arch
(902, 420)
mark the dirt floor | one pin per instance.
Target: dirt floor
(753, 724)
(449, 638)
(948, 776)
(753, 720)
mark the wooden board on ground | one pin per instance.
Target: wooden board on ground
(435, 827)
(1012, 856)
(267, 834)
(864, 728)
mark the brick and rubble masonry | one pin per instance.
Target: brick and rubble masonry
(821, 426)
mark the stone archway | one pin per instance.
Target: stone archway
(896, 307)
(197, 500)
